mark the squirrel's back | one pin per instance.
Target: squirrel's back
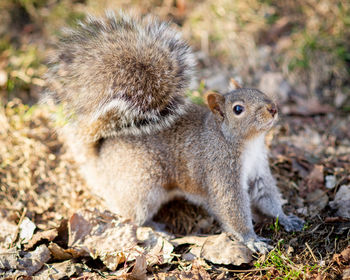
(120, 75)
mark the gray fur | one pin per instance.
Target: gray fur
(139, 142)
(139, 67)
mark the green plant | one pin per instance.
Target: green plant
(278, 265)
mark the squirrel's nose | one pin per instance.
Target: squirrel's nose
(272, 109)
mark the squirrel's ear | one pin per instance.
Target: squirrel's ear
(216, 103)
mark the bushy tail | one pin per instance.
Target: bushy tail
(120, 75)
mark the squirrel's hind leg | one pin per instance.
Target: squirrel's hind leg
(138, 202)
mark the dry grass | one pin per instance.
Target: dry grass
(35, 173)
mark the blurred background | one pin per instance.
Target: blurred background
(298, 50)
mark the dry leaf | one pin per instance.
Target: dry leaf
(27, 228)
(318, 200)
(220, 249)
(343, 257)
(315, 179)
(49, 235)
(7, 233)
(103, 235)
(58, 253)
(12, 264)
(61, 270)
(197, 240)
(157, 248)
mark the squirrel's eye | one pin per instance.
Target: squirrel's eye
(238, 109)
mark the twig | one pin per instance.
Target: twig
(248, 270)
(18, 225)
(312, 253)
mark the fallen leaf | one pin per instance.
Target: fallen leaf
(49, 235)
(317, 200)
(61, 270)
(343, 258)
(12, 264)
(195, 250)
(220, 249)
(58, 253)
(197, 240)
(158, 249)
(7, 233)
(103, 235)
(315, 179)
(27, 228)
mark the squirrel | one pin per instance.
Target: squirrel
(139, 140)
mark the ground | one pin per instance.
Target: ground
(305, 63)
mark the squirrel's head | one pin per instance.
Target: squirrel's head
(244, 112)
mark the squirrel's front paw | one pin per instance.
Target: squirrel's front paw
(258, 245)
(292, 223)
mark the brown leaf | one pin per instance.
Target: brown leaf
(7, 233)
(58, 253)
(12, 264)
(197, 240)
(220, 249)
(343, 257)
(103, 235)
(198, 268)
(317, 200)
(315, 179)
(26, 228)
(158, 249)
(61, 270)
(39, 236)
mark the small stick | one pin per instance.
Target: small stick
(248, 270)
(18, 225)
(312, 253)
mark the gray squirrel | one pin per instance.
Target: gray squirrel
(139, 141)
